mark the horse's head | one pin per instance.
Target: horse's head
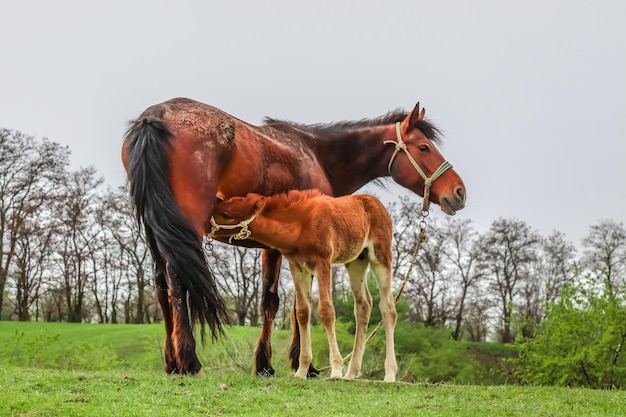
(238, 209)
(418, 165)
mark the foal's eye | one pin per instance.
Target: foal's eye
(225, 215)
(423, 148)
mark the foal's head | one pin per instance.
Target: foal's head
(446, 190)
(237, 209)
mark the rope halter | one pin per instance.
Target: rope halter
(243, 234)
(401, 145)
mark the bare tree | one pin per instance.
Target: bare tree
(605, 250)
(239, 271)
(108, 265)
(127, 257)
(74, 246)
(50, 303)
(406, 228)
(463, 254)
(558, 257)
(32, 261)
(530, 304)
(476, 321)
(508, 250)
(29, 172)
(429, 289)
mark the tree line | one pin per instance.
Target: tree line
(71, 250)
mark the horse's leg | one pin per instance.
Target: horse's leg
(362, 311)
(302, 282)
(388, 311)
(163, 297)
(269, 304)
(326, 312)
(182, 336)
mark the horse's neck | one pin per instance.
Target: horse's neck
(354, 157)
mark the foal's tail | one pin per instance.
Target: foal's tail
(168, 233)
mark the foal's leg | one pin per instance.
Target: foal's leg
(362, 311)
(294, 349)
(166, 308)
(269, 304)
(388, 311)
(327, 316)
(182, 338)
(302, 283)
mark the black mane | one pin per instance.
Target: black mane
(328, 129)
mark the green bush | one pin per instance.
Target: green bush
(579, 343)
(430, 354)
(423, 353)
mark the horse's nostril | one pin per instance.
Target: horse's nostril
(460, 192)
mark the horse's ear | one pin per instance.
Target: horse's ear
(259, 204)
(416, 114)
(220, 196)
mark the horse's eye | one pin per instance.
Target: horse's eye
(225, 215)
(423, 148)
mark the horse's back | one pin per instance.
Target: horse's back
(187, 118)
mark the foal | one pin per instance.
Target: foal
(313, 231)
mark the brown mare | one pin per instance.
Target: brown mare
(182, 155)
(313, 231)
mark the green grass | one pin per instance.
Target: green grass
(37, 392)
(133, 384)
(134, 346)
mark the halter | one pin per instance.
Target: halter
(243, 234)
(401, 145)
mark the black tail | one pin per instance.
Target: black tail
(168, 233)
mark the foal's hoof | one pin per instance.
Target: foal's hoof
(301, 376)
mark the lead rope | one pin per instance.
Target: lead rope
(243, 234)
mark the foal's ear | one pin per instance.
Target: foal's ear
(416, 114)
(258, 205)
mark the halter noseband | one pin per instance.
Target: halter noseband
(401, 145)
(243, 234)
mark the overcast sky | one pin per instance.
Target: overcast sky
(531, 95)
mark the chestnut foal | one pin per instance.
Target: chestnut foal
(313, 231)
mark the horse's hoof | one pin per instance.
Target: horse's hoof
(266, 372)
(312, 372)
(200, 373)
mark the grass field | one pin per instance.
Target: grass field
(133, 385)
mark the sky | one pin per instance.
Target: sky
(531, 96)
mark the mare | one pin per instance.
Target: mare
(181, 156)
(313, 231)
